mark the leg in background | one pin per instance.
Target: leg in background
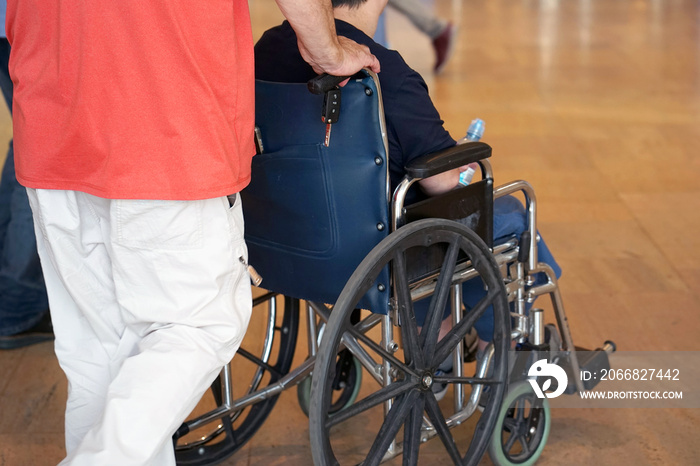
(23, 301)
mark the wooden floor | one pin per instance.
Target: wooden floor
(597, 104)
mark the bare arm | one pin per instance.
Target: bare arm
(312, 20)
(443, 182)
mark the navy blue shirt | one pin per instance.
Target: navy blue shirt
(414, 127)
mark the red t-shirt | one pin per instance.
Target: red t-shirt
(133, 99)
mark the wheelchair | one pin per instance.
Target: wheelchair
(327, 234)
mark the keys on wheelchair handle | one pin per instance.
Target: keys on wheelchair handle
(331, 112)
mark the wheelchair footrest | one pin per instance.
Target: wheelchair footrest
(589, 361)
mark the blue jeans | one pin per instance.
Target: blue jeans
(23, 300)
(509, 219)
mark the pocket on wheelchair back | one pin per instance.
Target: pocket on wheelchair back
(299, 218)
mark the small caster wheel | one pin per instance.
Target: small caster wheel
(522, 427)
(346, 387)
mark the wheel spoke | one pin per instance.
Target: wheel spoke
(255, 360)
(510, 424)
(411, 433)
(455, 335)
(429, 333)
(264, 298)
(392, 423)
(380, 396)
(409, 328)
(524, 444)
(438, 420)
(465, 380)
(511, 441)
(381, 352)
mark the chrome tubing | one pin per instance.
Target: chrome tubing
(285, 382)
(311, 330)
(387, 343)
(536, 326)
(399, 199)
(457, 355)
(552, 288)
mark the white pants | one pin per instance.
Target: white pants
(149, 299)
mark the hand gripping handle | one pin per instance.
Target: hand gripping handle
(324, 83)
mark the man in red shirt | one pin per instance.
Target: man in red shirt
(133, 133)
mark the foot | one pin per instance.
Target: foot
(40, 332)
(443, 45)
(471, 345)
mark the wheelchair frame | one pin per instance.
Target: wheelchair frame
(516, 273)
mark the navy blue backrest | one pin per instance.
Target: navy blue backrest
(312, 213)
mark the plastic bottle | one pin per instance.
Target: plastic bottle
(474, 133)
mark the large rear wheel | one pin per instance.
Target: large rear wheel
(403, 411)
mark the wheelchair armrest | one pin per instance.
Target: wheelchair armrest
(453, 157)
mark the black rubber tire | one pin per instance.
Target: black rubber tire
(522, 428)
(231, 432)
(413, 368)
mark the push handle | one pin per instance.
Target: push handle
(324, 83)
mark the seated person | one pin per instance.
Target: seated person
(414, 127)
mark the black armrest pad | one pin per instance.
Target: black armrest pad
(453, 157)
